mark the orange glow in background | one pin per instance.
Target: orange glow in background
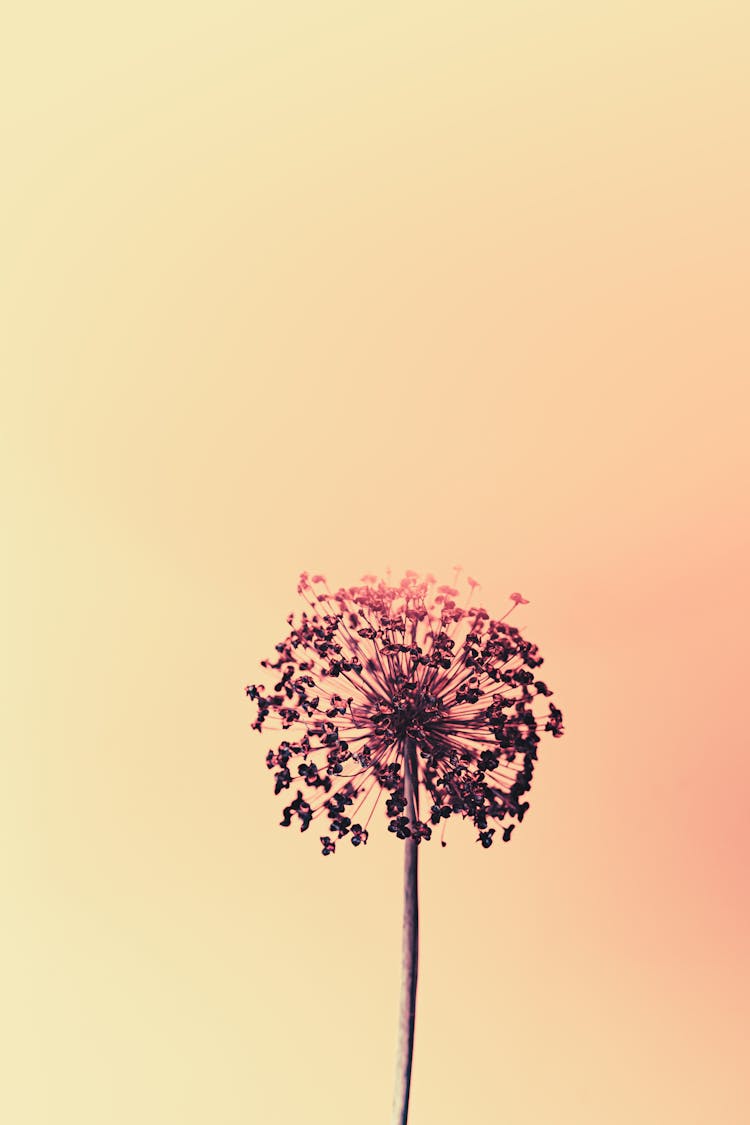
(336, 287)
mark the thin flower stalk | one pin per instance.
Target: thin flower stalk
(410, 948)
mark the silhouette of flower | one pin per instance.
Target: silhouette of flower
(375, 672)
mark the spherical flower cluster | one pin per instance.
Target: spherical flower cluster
(378, 674)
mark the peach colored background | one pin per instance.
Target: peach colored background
(334, 286)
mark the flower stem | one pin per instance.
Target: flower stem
(410, 946)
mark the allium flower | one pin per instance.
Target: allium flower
(398, 690)
(377, 672)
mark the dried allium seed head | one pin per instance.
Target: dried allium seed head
(378, 670)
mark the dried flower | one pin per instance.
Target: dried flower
(377, 671)
(399, 690)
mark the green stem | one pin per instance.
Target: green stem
(410, 946)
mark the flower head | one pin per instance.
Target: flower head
(376, 672)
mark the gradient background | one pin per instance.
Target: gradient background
(336, 286)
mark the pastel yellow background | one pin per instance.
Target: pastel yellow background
(337, 286)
